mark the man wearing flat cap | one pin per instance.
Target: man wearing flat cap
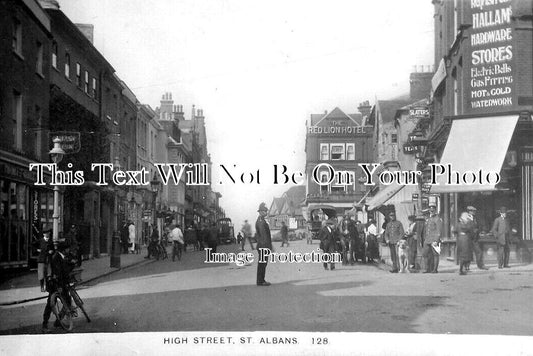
(501, 230)
(431, 237)
(478, 251)
(264, 240)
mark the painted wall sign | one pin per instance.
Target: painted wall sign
(491, 61)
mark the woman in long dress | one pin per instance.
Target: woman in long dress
(465, 230)
(131, 236)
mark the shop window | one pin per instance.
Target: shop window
(324, 151)
(350, 151)
(337, 152)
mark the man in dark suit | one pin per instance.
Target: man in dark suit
(393, 233)
(328, 240)
(264, 241)
(501, 230)
(431, 235)
(478, 251)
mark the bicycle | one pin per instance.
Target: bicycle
(157, 250)
(63, 310)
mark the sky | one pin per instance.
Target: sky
(259, 69)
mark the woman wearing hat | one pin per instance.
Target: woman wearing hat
(465, 230)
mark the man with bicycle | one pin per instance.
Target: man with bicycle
(177, 240)
(61, 263)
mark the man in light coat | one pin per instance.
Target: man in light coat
(131, 237)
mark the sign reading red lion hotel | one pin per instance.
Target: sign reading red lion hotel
(491, 41)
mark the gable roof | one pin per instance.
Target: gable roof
(336, 114)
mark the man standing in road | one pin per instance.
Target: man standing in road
(393, 233)
(178, 242)
(264, 241)
(432, 234)
(284, 234)
(328, 240)
(475, 237)
(247, 234)
(501, 230)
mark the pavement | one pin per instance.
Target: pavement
(24, 286)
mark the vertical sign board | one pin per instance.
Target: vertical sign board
(35, 223)
(490, 75)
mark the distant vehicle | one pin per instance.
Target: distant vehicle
(317, 214)
(225, 231)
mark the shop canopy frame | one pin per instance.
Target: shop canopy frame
(475, 144)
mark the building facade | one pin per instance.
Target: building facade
(336, 142)
(482, 101)
(25, 45)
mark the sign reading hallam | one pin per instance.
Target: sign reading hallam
(491, 42)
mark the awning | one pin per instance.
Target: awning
(383, 196)
(438, 77)
(474, 144)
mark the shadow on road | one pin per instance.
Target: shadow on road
(287, 306)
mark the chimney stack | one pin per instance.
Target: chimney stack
(365, 108)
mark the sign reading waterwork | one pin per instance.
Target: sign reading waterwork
(491, 42)
(70, 140)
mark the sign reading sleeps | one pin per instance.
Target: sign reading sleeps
(491, 41)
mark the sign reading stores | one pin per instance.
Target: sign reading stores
(491, 75)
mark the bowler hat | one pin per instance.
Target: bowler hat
(262, 207)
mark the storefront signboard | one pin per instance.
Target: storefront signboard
(490, 71)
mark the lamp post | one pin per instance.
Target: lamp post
(115, 243)
(56, 154)
(155, 184)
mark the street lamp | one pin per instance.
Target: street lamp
(155, 184)
(56, 154)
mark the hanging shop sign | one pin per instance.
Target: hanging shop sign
(70, 140)
(419, 112)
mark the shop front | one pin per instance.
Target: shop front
(25, 211)
(476, 147)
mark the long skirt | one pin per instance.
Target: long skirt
(372, 250)
(464, 248)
